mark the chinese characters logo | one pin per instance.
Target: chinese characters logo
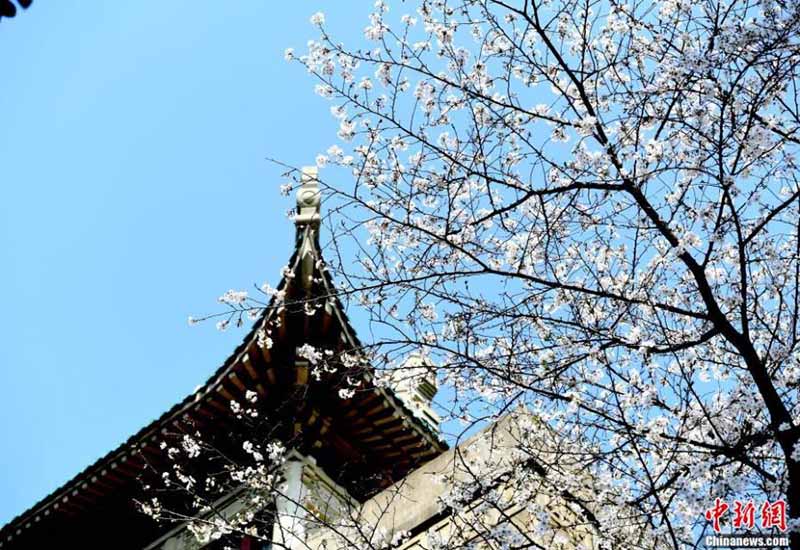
(771, 514)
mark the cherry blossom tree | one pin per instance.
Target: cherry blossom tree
(590, 211)
(590, 208)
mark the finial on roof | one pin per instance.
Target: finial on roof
(307, 220)
(308, 199)
(415, 384)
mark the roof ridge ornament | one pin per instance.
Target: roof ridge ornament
(307, 220)
(309, 199)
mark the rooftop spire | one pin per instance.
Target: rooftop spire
(307, 220)
(308, 199)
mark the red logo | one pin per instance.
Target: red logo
(714, 514)
(773, 514)
(744, 514)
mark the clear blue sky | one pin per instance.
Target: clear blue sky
(134, 190)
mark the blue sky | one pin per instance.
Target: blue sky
(134, 189)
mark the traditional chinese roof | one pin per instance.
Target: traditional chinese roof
(365, 442)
